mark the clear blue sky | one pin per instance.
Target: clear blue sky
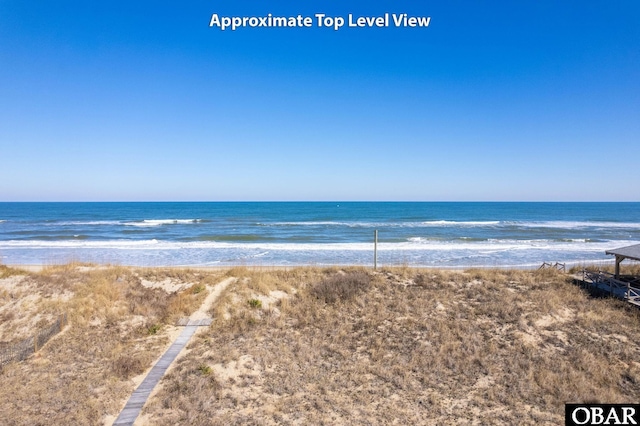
(496, 100)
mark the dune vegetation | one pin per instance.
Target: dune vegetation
(119, 321)
(402, 346)
(317, 346)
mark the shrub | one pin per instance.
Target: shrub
(341, 286)
(255, 303)
(205, 370)
(126, 366)
(198, 288)
(153, 329)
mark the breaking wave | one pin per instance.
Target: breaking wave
(412, 244)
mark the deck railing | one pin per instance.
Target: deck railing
(559, 266)
(622, 287)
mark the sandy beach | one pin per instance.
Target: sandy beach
(314, 345)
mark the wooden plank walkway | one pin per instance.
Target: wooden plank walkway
(132, 409)
(200, 318)
(188, 321)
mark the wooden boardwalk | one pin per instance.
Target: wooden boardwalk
(200, 318)
(189, 321)
(132, 409)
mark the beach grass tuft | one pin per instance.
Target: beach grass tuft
(341, 286)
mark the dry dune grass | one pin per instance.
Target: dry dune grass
(117, 327)
(628, 267)
(6, 271)
(333, 346)
(318, 346)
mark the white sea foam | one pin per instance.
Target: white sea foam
(82, 223)
(422, 224)
(108, 244)
(336, 223)
(465, 241)
(140, 223)
(160, 222)
(575, 225)
(534, 224)
(452, 223)
(461, 223)
(413, 245)
(500, 245)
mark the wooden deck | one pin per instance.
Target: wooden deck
(624, 287)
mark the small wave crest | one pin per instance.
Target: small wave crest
(246, 237)
(533, 224)
(318, 223)
(159, 222)
(77, 242)
(86, 223)
(409, 224)
(575, 225)
(461, 223)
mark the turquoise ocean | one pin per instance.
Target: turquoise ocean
(431, 234)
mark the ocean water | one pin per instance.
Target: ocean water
(315, 233)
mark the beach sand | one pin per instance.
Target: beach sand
(313, 345)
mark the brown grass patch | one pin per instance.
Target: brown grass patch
(6, 272)
(126, 366)
(341, 287)
(404, 346)
(628, 267)
(117, 327)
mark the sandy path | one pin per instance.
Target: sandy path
(202, 312)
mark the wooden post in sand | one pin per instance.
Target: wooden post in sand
(375, 249)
